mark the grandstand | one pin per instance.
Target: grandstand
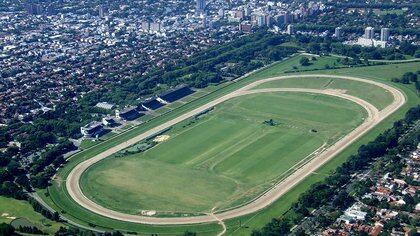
(92, 130)
(129, 113)
(175, 94)
(140, 108)
(152, 104)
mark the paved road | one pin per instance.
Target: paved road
(374, 117)
(37, 198)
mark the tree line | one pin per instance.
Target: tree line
(409, 78)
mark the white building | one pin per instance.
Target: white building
(353, 213)
(105, 105)
(200, 5)
(155, 27)
(337, 32)
(221, 13)
(369, 33)
(364, 42)
(290, 29)
(261, 20)
(385, 34)
(368, 39)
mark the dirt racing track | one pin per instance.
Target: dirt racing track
(271, 195)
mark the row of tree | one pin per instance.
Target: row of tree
(409, 78)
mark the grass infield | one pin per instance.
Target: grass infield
(227, 157)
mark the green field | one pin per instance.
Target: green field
(373, 94)
(21, 213)
(59, 199)
(320, 63)
(227, 157)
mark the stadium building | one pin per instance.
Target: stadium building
(174, 95)
(129, 113)
(92, 130)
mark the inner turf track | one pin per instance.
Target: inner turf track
(224, 158)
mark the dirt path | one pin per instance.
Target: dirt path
(270, 196)
(221, 223)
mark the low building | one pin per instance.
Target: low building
(245, 27)
(417, 208)
(105, 105)
(92, 130)
(377, 229)
(353, 214)
(365, 42)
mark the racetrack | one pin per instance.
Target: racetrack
(374, 117)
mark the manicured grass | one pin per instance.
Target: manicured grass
(227, 157)
(320, 63)
(373, 94)
(60, 200)
(146, 117)
(175, 105)
(87, 143)
(162, 110)
(24, 213)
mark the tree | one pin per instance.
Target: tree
(407, 48)
(6, 229)
(189, 233)
(117, 233)
(56, 217)
(275, 227)
(300, 232)
(304, 61)
(342, 200)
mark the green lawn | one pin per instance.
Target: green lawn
(87, 143)
(373, 94)
(227, 157)
(12, 208)
(320, 63)
(60, 200)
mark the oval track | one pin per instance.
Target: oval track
(270, 196)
